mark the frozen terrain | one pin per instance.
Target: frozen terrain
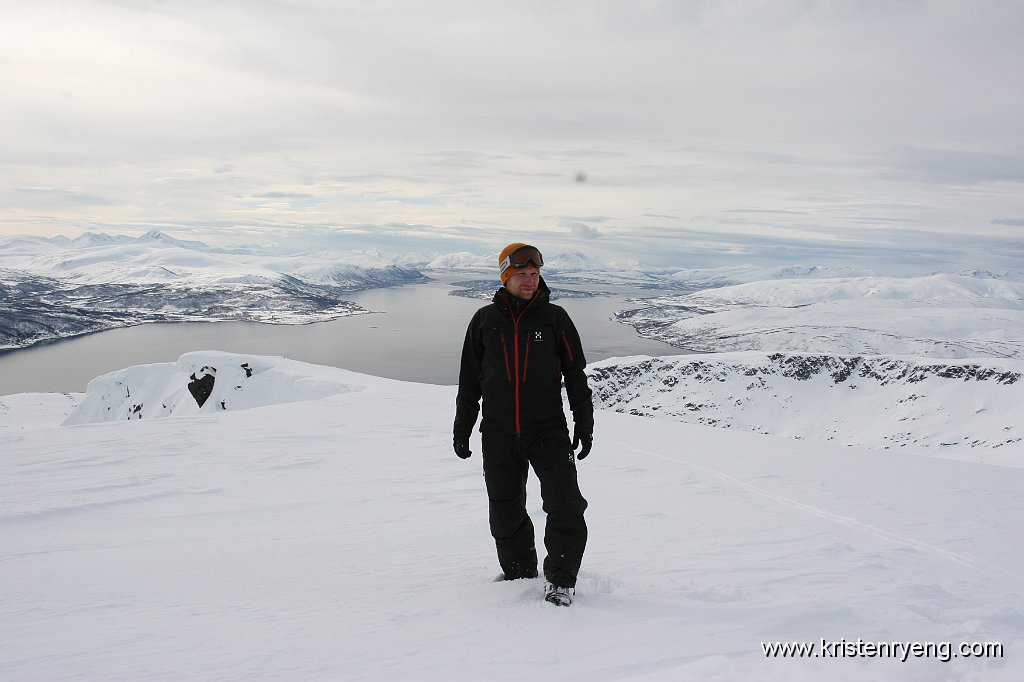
(956, 408)
(308, 523)
(947, 316)
(55, 288)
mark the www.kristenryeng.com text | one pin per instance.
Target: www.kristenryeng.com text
(904, 651)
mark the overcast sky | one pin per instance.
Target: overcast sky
(686, 133)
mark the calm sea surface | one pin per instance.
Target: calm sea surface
(415, 334)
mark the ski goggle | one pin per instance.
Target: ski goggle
(521, 257)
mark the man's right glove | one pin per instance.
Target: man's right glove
(588, 442)
(461, 446)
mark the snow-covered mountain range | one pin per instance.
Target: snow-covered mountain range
(943, 315)
(55, 288)
(310, 523)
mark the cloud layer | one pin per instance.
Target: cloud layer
(690, 130)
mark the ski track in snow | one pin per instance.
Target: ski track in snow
(971, 562)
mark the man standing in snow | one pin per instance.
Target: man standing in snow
(517, 350)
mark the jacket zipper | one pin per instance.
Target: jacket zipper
(567, 348)
(515, 348)
(515, 330)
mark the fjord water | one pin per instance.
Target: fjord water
(415, 334)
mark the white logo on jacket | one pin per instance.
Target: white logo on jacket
(538, 336)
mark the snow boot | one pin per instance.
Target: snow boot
(559, 596)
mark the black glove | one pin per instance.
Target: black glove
(461, 446)
(588, 441)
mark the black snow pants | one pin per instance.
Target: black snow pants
(506, 461)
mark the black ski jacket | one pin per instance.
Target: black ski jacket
(514, 357)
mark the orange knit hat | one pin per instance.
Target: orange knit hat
(505, 254)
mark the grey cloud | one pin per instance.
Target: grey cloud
(885, 250)
(951, 167)
(777, 211)
(57, 197)
(585, 219)
(462, 158)
(283, 195)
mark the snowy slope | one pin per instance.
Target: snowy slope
(949, 316)
(339, 538)
(956, 408)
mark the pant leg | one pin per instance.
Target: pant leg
(565, 535)
(505, 471)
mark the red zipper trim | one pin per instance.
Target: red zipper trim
(504, 351)
(526, 358)
(567, 348)
(515, 332)
(515, 327)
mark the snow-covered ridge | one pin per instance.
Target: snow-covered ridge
(947, 316)
(877, 402)
(207, 381)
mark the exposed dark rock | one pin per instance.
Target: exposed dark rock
(201, 388)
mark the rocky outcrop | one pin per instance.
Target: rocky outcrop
(202, 387)
(878, 401)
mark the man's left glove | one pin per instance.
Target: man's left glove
(461, 446)
(588, 441)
